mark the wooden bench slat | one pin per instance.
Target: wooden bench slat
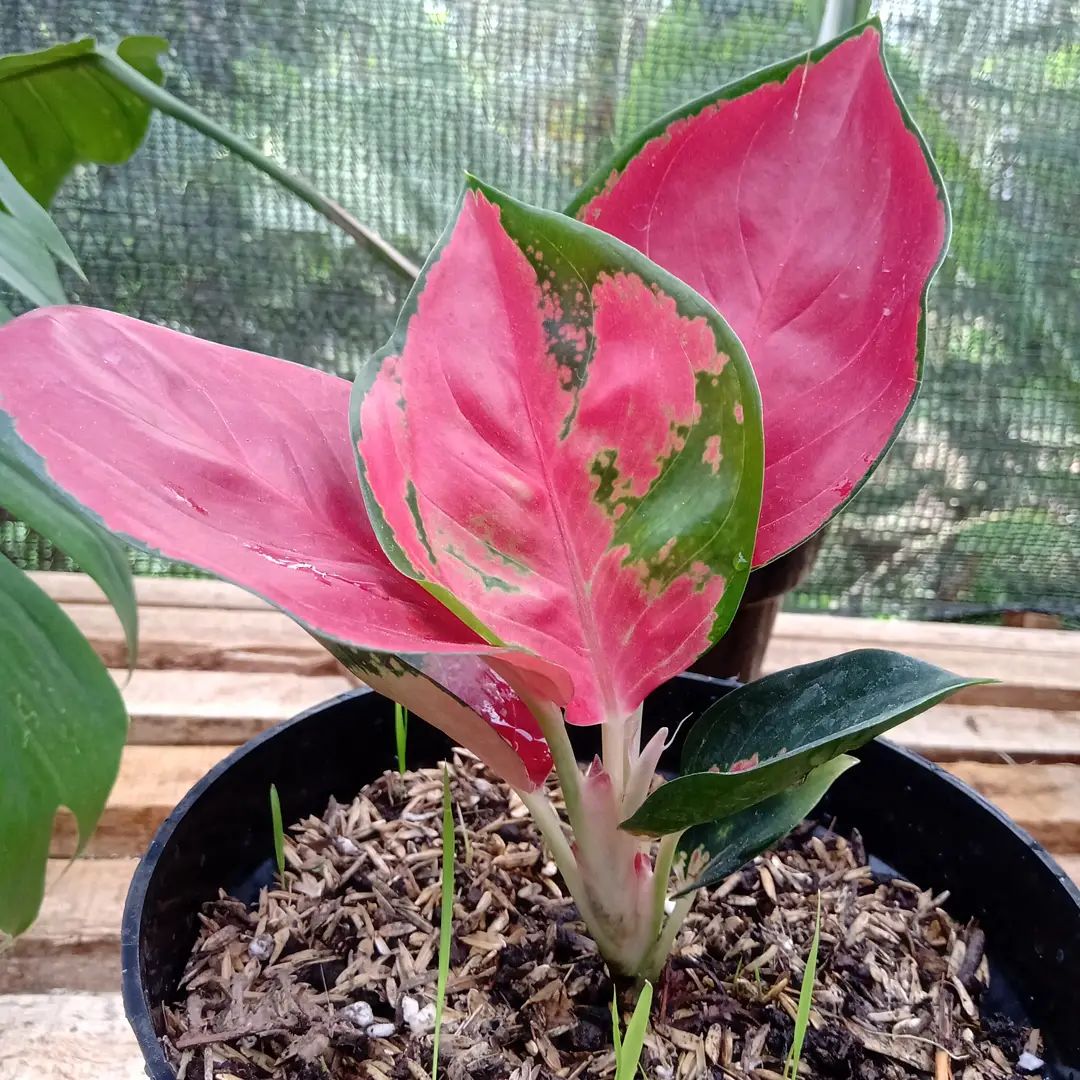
(217, 706)
(1043, 799)
(1025, 680)
(176, 707)
(181, 637)
(152, 592)
(67, 1037)
(152, 780)
(75, 942)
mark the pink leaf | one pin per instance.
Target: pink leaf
(803, 205)
(564, 443)
(242, 465)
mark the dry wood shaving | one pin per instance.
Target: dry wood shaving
(332, 973)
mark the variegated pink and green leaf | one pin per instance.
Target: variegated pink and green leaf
(803, 203)
(563, 442)
(242, 465)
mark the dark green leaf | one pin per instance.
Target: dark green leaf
(62, 727)
(736, 839)
(769, 734)
(27, 492)
(59, 108)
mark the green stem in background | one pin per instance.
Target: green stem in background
(840, 15)
(336, 214)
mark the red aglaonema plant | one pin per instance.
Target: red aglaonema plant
(546, 493)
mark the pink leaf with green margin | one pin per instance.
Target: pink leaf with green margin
(242, 465)
(563, 442)
(802, 203)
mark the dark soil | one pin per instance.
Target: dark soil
(333, 973)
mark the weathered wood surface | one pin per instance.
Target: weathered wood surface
(217, 666)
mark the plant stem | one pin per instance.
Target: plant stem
(172, 106)
(547, 821)
(838, 16)
(553, 727)
(654, 962)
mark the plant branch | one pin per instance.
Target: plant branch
(547, 821)
(172, 106)
(654, 962)
(838, 16)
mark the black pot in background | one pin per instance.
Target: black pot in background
(913, 817)
(740, 652)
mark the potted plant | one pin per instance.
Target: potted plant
(536, 507)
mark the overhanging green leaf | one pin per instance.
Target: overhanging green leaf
(60, 108)
(62, 728)
(736, 839)
(27, 492)
(767, 735)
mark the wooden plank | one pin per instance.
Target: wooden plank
(67, 1037)
(152, 780)
(230, 707)
(203, 639)
(990, 733)
(218, 706)
(1043, 799)
(1025, 679)
(910, 633)
(75, 942)
(151, 592)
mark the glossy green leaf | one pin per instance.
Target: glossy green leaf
(27, 493)
(734, 840)
(62, 728)
(279, 832)
(767, 735)
(59, 108)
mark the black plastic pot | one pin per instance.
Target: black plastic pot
(913, 817)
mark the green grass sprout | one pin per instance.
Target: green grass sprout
(401, 732)
(806, 998)
(447, 916)
(628, 1047)
(279, 832)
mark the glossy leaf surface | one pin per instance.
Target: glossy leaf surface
(237, 463)
(734, 840)
(27, 493)
(59, 109)
(769, 734)
(802, 203)
(62, 727)
(564, 443)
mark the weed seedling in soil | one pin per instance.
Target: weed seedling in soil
(401, 732)
(806, 1000)
(446, 917)
(279, 833)
(628, 1047)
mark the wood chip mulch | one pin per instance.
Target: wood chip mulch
(333, 973)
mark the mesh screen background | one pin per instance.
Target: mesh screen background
(382, 103)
